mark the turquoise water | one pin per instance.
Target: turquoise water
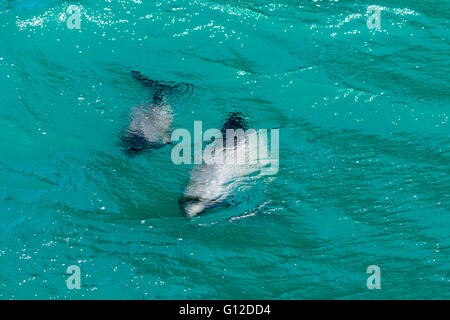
(364, 150)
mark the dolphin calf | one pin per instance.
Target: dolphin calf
(150, 125)
(213, 182)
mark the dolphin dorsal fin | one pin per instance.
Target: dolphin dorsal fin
(235, 120)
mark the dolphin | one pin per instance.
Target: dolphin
(213, 182)
(150, 125)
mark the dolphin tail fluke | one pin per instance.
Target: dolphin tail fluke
(144, 80)
(160, 88)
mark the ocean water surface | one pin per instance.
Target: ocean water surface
(364, 175)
